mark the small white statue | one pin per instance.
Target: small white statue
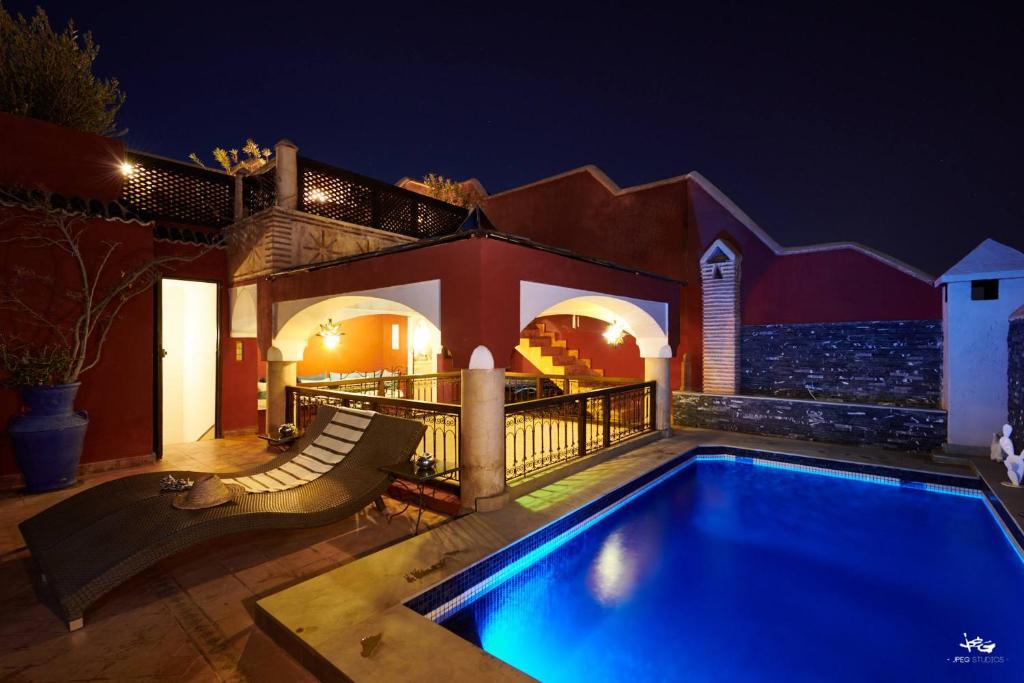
(1014, 463)
(995, 451)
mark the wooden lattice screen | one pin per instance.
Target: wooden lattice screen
(161, 189)
(346, 196)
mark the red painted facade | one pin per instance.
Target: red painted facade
(665, 227)
(119, 392)
(479, 278)
(661, 228)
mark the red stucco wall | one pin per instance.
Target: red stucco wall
(39, 155)
(664, 228)
(621, 360)
(479, 288)
(119, 391)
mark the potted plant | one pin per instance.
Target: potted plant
(57, 311)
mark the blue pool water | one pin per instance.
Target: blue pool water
(729, 571)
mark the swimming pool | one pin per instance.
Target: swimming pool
(725, 568)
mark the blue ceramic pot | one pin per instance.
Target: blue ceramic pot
(48, 436)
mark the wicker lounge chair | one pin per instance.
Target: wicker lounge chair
(92, 542)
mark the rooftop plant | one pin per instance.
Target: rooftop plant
(251, 159)
(48, 75)
(452, 191)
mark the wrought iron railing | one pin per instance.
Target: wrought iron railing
(446, 387)
(346, 196)
(538, 432)
(442, 421)
(549, 431)
(160, 189)
(441, 387)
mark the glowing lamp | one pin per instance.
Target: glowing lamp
(318, 196)
(331, 333)
(127, 168)
(421, 340)
(615, 333)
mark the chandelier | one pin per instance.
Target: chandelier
(331, 333)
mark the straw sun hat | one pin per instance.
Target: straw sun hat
(208, 491)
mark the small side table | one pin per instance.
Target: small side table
(409, 472)
(280, 444)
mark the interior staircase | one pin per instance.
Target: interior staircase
(550, 354)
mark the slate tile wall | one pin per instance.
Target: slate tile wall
(1015, 379)
(897, 362)
(899, 428)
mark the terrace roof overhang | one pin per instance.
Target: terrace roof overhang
(480, 288)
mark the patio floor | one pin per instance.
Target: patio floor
(189, 618)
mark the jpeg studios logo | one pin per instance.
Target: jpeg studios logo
(979, 651)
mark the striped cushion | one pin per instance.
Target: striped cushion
(339, 437)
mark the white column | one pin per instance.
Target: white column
(280, 374)
(659, 370)
(287, 174)
(482, 441)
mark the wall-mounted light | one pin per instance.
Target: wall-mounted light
(127, 168)
(318, 196)
(331, 333)
(421, 341)
(615, 333)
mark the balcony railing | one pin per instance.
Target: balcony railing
(346, 196)
(164, 190)
(175, 192)
(580, 418)
(442, 421)
(550, 431)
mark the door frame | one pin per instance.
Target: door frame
(158, 366)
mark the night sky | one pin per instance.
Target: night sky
(900, 128)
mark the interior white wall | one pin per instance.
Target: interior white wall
(189, 336)
(242, 300)
(975, 360)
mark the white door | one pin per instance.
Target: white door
(189, 372)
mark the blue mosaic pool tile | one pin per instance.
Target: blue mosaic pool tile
(453, 594)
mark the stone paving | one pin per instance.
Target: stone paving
(188, 618)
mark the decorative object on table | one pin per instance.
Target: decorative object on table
(286, 431)
(995, 450)
(208, 491)
(1014, 462)
(425, 461)
(45, 349)
(169, 483)
(370, 644)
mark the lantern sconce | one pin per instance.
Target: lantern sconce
(615, 333)
(331, 333)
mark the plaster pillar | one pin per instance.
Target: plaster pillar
(482, 440)
(287, 174)
(239, 205)
(280, 374)
(658, 370)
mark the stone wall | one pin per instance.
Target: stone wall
(901, 428)
(896, 362)
(1015, 378)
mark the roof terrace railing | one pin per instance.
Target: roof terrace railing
(164, 190)
(346, 196)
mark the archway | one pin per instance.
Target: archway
(352, 338)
